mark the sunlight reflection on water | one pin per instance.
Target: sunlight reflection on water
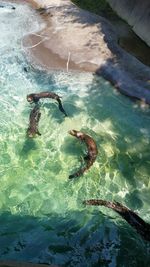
(36, 195)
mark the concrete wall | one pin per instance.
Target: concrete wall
(136, 13)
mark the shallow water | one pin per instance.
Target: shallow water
(42, 218)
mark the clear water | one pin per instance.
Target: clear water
(42, 218)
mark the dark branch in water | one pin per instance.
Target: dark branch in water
(142, 227)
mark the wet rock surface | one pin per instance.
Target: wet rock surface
(87, 42)
(136, 13)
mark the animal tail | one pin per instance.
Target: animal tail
(79, 172)
(61, 107)
(130, 216)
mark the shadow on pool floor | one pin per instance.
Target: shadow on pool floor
(74, 239)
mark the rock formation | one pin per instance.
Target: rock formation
(136, 13)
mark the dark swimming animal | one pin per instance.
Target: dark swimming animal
(142, 227)
(92, 151)
(36, 97)
(34, 120)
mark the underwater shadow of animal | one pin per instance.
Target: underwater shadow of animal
(29, 145)
(73, 109)
(133, 199)
(72, 147)
(125, 167)
(142, 227)
(72, 106)
(54, 112)
(65, 235)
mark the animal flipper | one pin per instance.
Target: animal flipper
(61, 107)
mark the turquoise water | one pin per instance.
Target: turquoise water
(42, 218)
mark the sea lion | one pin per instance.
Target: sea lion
(142, 227)
(34, 120)
(36, 97)
(92, 151)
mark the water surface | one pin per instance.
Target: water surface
(42, 218)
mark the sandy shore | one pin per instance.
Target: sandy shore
(52, 53)
(48, 59)
(75, 39)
